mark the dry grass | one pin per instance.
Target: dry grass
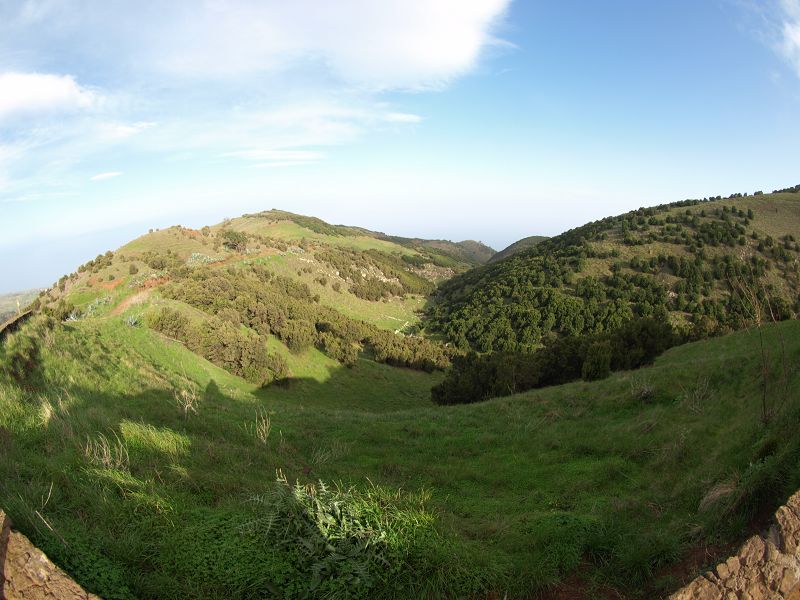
(105, 453)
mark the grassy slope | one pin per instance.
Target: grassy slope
(114, 281)
(535, 484)
(516, 247)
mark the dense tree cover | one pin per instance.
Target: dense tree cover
(235, 349)
(691, 255)
(475, 377)
(270, 304)
(374, 275)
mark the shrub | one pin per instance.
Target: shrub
(170, 322)
(61, 311)
(133, 269)
(234, 240)
(597, 364)
(298, 335)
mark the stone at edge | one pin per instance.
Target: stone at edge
(764, 569)
(27, 574)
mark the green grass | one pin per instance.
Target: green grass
(181, 242)
(392, 314)
(290, 231)
(141, 501)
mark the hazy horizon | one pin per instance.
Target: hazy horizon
(491, 120)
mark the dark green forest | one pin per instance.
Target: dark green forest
(688, 263)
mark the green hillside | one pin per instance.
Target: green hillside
(468, 251)
(244, 410)
(689, 262)
(148, 472)
(517, 247)
(361, 274)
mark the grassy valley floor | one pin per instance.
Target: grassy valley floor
(147, 472)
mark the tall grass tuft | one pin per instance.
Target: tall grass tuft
(187, 400)
(262, 426)
(105, 453)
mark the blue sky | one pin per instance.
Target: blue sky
(459, 119)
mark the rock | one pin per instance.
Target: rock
(27, 574)
(765, 568)
(789, 526)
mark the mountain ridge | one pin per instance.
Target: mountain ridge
(517, 247)
(234, 408)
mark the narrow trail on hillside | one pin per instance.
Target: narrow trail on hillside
(137, 298)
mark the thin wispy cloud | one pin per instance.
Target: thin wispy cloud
(403, 118)
(104, 176)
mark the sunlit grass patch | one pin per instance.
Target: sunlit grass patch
(146, 439)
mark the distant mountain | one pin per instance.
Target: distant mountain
(468, 251)
(517, 247)
(10, 302)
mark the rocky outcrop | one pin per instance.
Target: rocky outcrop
(766, 568)
(27, 574)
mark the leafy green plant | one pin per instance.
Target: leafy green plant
(353, 543)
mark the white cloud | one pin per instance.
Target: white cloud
(104, 176)
(30, 93)
(248, 83)
(790, 42)
(119, 131)
(391, 44)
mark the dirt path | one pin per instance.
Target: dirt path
(137, 298)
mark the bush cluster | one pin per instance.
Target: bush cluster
(236, 350)
(476, 377)
(274, 305)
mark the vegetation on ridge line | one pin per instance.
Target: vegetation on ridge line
(676, 261)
